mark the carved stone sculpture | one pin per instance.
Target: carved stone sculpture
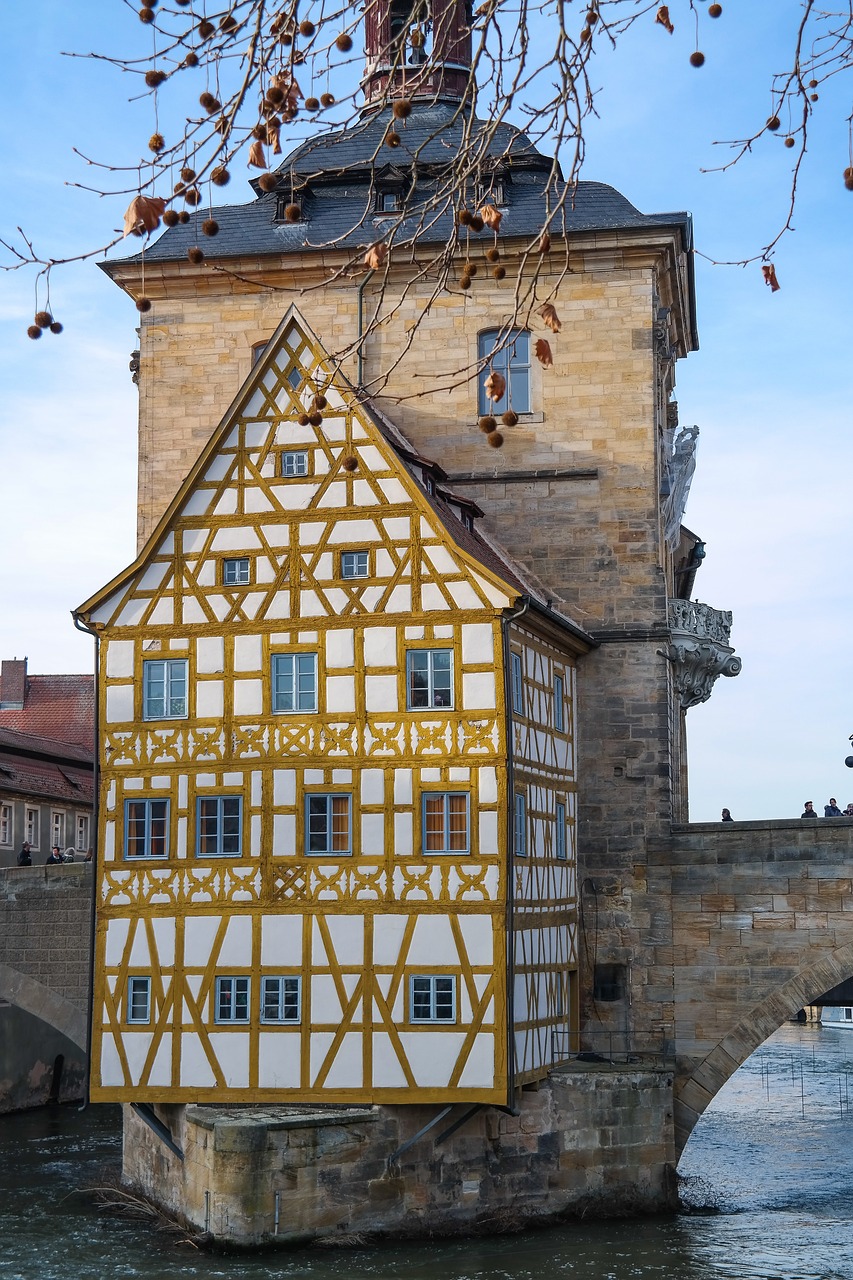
(699, 650)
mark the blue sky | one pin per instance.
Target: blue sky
(769, 387)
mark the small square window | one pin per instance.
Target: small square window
(232, 1000)
(445, 822)
(146, 828)
(559, 704)
(139, 999)
(520, 826)
(560, 832)
(429, 678)
(355, 564)
(432, 998)
(164, 689)
(294, 682)
(517, 679)
(294, 462)
(280, 999)
(327, 824)
(236, 572)
(219, 826)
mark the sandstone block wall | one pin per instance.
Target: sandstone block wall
(45, 915)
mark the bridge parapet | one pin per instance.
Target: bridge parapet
(45, 915)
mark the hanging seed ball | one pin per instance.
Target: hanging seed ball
(154, 78)
(848, 179)
(56, 327)
(464, 282)
(306, 27)
(267, 182)
(156, 142)
(312, 104)
(292, 212)
(195, 254)
(179, 188)
(495, 439)
(591, 18)
(465, 218)
(192, 195)
(206, 100)
(813, 84)
(191, 60)
(43, 319)
(697, 59)
(33, 331)
(143, 304)
(220, 176)
(488, 423)
(286, 37)
(146, 15)
(171, 218)
(260, 132)
(402, 109)
(344, 42)
(316, 419)
(392, 139)
(350, 463)
(327, 99)
(222, 126)
(205, 29)
(303, 419)
(188, 175)
(210, 227)
(470, 268)
(813, 97)
(476, 223)
(493, 255)
(715, 10)
(320, 401)
(228, 23)
(275, 95)
(183, 217)
(789, 142)
(509, 419)
(499, 273)
(586, 34)
(773, 123)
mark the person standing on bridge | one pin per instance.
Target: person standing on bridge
(832, 810)
(808, 811)
(55, 857)
(25, 857)
(727, 817)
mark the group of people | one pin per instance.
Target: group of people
(25, 857)
(830, 810)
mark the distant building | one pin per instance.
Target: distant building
(47, 730)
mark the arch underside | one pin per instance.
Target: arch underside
(54, 1010)
(694, 1091)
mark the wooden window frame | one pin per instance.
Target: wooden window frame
(170, 666)
(294, 656)
(445, 797)
(432, 979)
(431, 704)
(282, 979)
(219, 817)
(147, 802)
(138, 983)
(329, 797)
(219, 989)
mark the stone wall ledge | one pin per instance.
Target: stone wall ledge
(274, 1118)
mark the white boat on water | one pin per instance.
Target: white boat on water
(840, 1016)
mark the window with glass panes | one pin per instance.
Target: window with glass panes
(512, 361)
(432, 998)
(327, 823)
(294, 462)
(219, 826)
(294, 682)
(560, 849)
(429, 678)
(559, 695)
(236, 572)
(139, 999)
(445, 822)
(31, 827)
(164, 689)
(146, 828)
(232, 1000)
(355, 564)
(517, 682)
(82, 832)
(57, 828)
(520, 825)
(280, 998)
(5, 824)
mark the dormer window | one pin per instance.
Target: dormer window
(491, 192)
(468, 521)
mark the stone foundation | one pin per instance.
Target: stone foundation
(594, 1140)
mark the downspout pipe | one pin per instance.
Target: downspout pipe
(360, 295)
(506, 622)
(96, 789)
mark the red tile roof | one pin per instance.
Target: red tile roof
(45, 779)
(57, 707)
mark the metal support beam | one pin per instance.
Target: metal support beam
(457, 1124)
(395, 1156)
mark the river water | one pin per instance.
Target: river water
(773, 1155)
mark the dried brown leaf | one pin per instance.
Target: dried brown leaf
(257, 157)
(662, 16)
(769, 272)
(376, 256)
(543, 353)
(491, 216)
(495, 385)
(550, 318)
(143, 214)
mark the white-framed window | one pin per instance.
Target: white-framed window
(232, 1000)
(355, 564)
(6, 832)
(139, 999)
(432, 997)
(31, 827)
(81, 832)
(146, 828)
(281, 999)
(57, 828)
(520, 825)
(294, 462)
(328, 824)
(236, 571)
(559, 704)
(517, 682)
(219, 826)
(294, 682)
(387, 201)
(164, 689)
(560, 832)
(446, 827)
(512, 361)
(429, 678)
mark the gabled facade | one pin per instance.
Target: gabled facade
(338, 776)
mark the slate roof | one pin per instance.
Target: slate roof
(334, 179)
(59, 708)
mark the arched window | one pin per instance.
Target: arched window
(512, 359)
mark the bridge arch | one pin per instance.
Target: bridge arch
(33, 997)
(695, 1090)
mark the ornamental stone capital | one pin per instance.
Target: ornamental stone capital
(699, 650)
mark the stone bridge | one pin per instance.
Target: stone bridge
(751, 921)
(45, 915)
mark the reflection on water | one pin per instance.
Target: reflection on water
(774, 1153)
